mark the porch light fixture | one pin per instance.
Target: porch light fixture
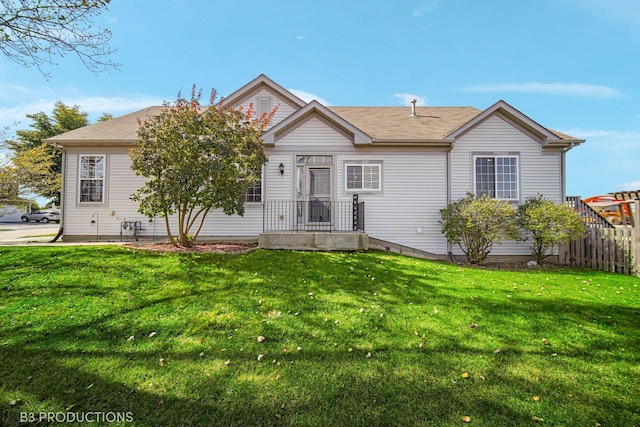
(281, 167)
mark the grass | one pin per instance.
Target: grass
(350, 339)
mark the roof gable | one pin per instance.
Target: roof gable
(258, 84)
(312, 109)
(545, 136)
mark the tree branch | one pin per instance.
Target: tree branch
(33, 32)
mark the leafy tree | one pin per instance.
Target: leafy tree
(197, 158)
(8, 186)
(9, 189)
(548, 225)
(105, 116)
(33, 171)
(34, 32)
(475, 223)
(39, 165)
(64, 119)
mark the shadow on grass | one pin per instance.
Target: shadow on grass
(89, 363)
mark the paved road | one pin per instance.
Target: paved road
(16, 232)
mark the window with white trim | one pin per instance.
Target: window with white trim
(363, 177)
(91, 177)
(496, 176)
(253, 194)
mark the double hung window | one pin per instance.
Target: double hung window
(92, 173)
(496, 176)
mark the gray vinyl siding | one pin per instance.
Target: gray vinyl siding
(121, 183)
(315, 134)
(284, 110)
(413, 183)
(414, 190)
(539, 170)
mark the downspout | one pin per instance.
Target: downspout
(449, 245)
(563, 171)
(62, 192)
(563, 168)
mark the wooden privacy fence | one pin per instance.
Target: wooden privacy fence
(606, 248)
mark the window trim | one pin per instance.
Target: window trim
(262, 180)
(103, 179)
(495, 156)
(362, 164)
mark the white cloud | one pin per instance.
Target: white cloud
(93, 105)
(429, 6)
(607, 161)
(11, 91)
(557, 88)
(607, 140)
(308, 97)
(114, 105)
(628, 186)
(405, 98)
(617, 10)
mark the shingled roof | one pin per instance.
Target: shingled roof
(117, 131)
(382, 124)
(397, 123)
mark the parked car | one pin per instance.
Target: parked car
(42, 216)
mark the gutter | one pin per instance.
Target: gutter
(88, 142)
(446, 143)
(566, 145)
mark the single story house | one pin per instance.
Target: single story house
(402, 164)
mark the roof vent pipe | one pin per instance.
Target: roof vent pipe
(413, 107)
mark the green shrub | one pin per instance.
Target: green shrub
(548, 225)
(475, 223)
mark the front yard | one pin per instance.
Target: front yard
(294, 338)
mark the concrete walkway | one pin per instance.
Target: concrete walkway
(33, 234)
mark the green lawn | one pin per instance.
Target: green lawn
(349, 339)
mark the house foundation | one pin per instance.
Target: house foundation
(314, 241)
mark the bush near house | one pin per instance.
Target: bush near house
(476, 223)
(547, 225)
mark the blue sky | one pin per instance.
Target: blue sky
(571, 65)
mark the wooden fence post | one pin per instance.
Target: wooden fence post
(635, 238)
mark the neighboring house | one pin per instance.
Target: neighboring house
(404, 163)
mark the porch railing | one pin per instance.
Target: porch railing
(313, 215)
